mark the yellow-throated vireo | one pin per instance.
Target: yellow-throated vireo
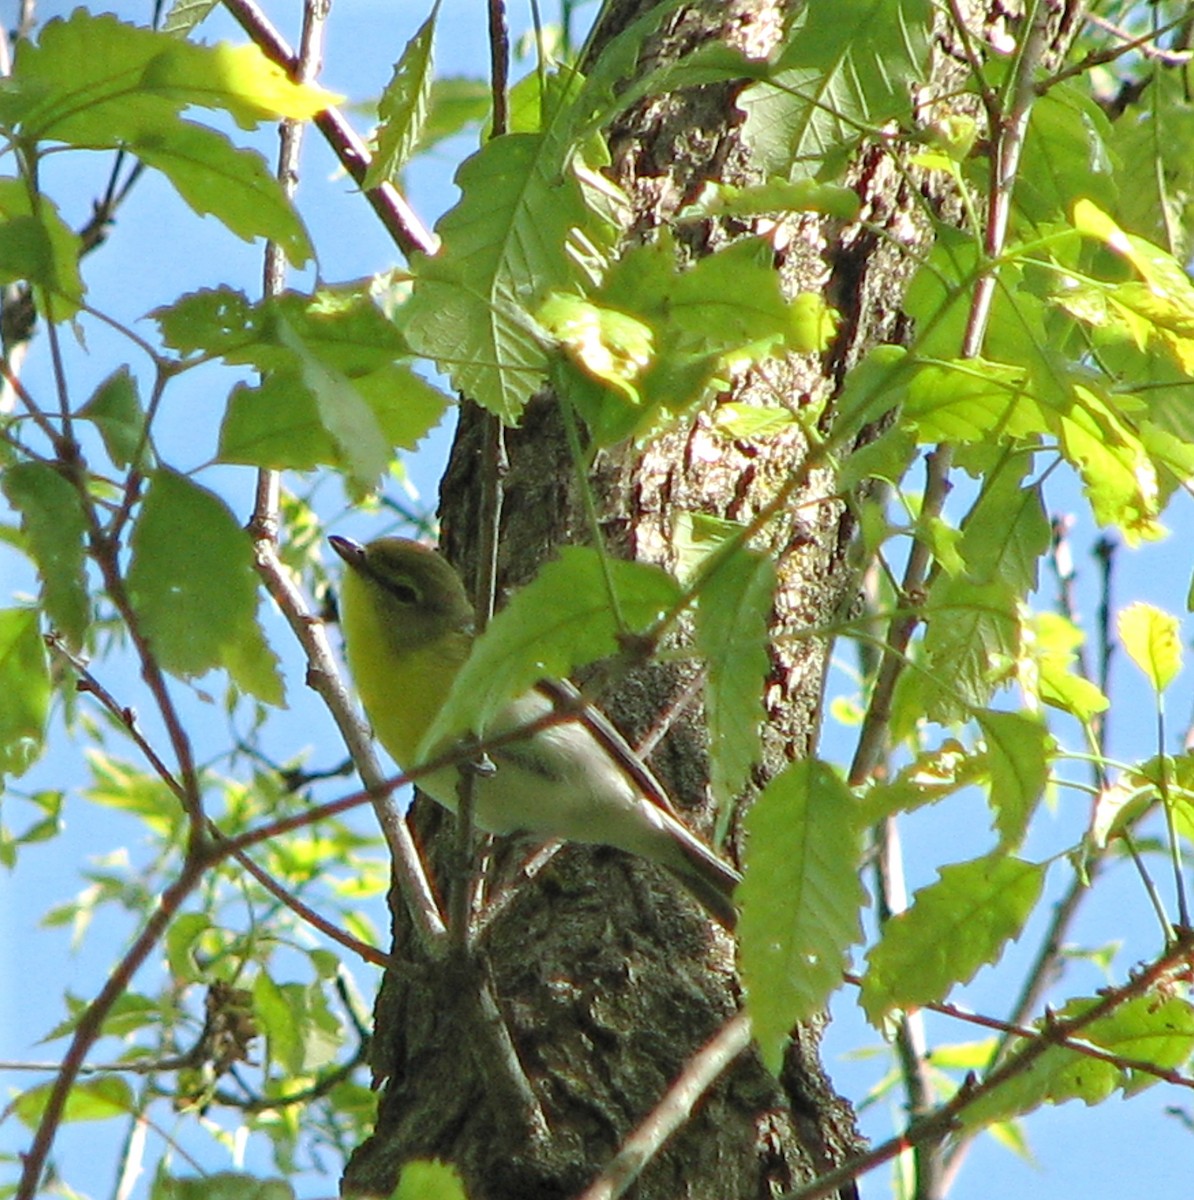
(408, 628)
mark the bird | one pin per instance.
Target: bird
(408, 627)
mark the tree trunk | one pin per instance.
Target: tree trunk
(606, 978)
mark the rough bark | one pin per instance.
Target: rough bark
(607, 980)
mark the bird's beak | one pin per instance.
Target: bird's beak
(352, 552)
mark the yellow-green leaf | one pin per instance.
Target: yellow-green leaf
(1152, 639)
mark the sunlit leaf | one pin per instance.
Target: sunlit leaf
(953, 927)
(1153, 641)
(404, 105)
(562, 619)
(800, 899)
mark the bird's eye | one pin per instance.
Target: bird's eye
(402, 592)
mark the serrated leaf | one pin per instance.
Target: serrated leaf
(970, 641)
(55, 528)
(970, 400)
(732, 638)
(234, 186)
(525, 199)
(1152, 639)
(800, 899)
(428, 1180)
(1019, 752)
(25, 685)
(193, 586)
(1155, 147)
(185, 15)
(846, 65)
(115, 410)
(1006, 532)
(1066, 156)
(1152, 1029)
(404, 105)
(953, 927)
(560, 620)
(275, 425)
(931, 776)
(94, 81)
(1118, 477)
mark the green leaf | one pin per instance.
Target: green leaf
(279, 1021)
(1066, 156)
(611, 346)
(428, 1180)
(800, 898)
(1118, 477)
(1049, 647)
(774, 196)
(931, 776)
(194, 589)
(211, 321)
(526, 199)
(1006, 532)
(456, 102)
(25, 685)
(847, 65)
(971, 640)
(234, 186)
(1019, 752)
(732, 638)
(1154, 1029)
(1155, 146)
(954, 926)
(115, 410)
(185, 15)
(277, 426)
(343, 413)
(724, 312)
(39, 247)
(92, 1100)
(55, 529)
(96, 82)
(183, 941)
(1153, 641)
(221, 1185)
(560, 620)
(404, 106)
(970, 400)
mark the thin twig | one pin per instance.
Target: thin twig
(398, 218)
(939, 1124)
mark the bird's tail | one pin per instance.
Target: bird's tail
(710, 880)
